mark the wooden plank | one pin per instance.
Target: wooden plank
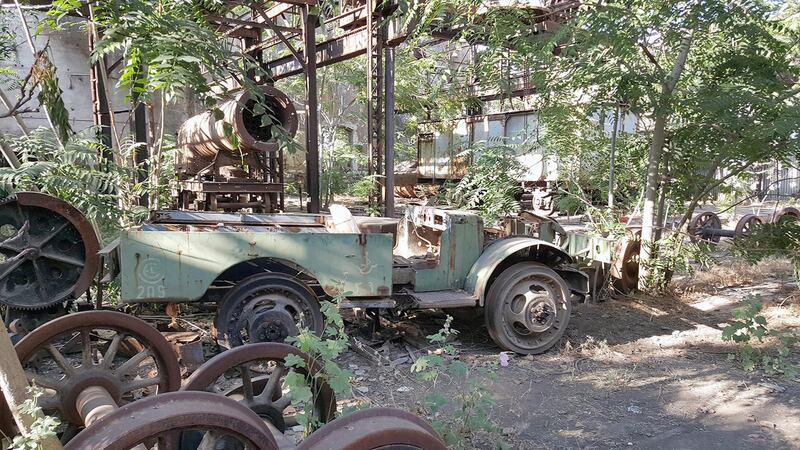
(14, 385)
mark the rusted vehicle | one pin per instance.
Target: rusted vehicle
(268, 272)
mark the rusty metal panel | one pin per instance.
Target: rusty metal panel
(426, 166)
(180, 265)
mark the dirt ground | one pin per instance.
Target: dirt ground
(632, 372)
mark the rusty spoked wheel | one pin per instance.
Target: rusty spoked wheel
(787, 213)
(747, 224)
(625, 270)
(48, 251)
(254, 375)
(528, 308)
(700, 228)
(118, 352)
(373, 429)
(160, 422)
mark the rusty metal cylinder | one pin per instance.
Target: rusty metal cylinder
(201, 137)
(94, 403)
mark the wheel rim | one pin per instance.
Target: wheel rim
(530, 310)
(254, 375)
(160, 423)
(48, 251)
(276, 307)
(118, 352)
(375, 429)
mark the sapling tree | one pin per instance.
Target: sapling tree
(714, 84)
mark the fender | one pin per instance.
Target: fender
(529, 249)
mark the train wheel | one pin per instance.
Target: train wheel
(161, 422)
(375, 429)
(48, 251)
(116, 351)
(254, 374)
(747, 224)
(788, 213)
(702, 224)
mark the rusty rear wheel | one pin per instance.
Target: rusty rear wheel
(254, 374)
(160, 422)
(116, 351)
(374, 429)
(528, 308)
(267, 307)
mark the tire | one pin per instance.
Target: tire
(539, 290)
(270, 307)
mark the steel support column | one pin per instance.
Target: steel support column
(389, 129)
(312, 120)
(375, 108)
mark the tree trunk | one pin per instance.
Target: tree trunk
(654, 158)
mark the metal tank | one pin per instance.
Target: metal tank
(203, 136)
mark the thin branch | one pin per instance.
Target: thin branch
(29, 39)
(650, 57)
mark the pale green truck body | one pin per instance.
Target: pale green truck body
(439, 257)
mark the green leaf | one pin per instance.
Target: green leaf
(295, 361)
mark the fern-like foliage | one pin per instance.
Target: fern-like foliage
(491, 186)
(78, 174)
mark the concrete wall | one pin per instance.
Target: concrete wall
(70, 54)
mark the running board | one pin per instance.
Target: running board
(443, 299)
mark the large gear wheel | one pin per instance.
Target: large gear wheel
(48, 251)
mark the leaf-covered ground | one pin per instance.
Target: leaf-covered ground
(635, 372)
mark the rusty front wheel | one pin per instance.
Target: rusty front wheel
(161, 422)
(253, 374)
(528, 308)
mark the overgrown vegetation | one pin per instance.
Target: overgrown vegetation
(781, 239)
(323, 350)
(80, 174)
(491, 185)
(748, 325)
(468, 413)
(43, 426)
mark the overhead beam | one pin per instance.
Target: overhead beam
(346, 46)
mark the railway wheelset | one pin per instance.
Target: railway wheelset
(113, 381)
(706, 227)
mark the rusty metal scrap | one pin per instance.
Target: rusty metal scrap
(203, 136)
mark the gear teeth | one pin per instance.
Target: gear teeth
(88, 237)
(8, 199)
